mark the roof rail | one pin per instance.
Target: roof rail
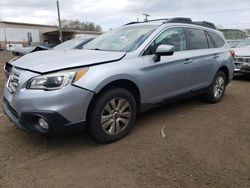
(160, 19)
(131, 23)
(154, 20)
(179, 20)
(166, 20)
(206, 24)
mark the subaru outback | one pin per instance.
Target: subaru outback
(124, 72)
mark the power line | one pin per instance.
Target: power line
(221, 11)
(235, 23)
(214, 11)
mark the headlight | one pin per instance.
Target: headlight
(57, 80)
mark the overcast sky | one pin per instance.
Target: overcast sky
(113, 13)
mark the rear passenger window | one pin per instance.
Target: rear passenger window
(218, 40)
(210, 42)
(197, 39)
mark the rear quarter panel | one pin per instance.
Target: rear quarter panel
(226, 59)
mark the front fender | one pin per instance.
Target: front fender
(100, 76)
(114, 78)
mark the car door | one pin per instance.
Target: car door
(171, 76)
(203, 55)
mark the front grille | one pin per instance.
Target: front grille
(13, 81)
(242, 59)
(246, 67)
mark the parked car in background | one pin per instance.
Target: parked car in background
(242, 57)
(124, 72)
(19, 51)
(233, 43)
(75, 43)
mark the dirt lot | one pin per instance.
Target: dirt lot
(205, 146)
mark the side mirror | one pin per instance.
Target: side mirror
(163, 50)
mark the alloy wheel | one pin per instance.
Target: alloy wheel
(219, 87)
(115, 116)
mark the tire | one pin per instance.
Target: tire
(112, 115)
(217, 89)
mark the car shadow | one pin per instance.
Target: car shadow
(242, 77)
(170, 109)
(84, 139)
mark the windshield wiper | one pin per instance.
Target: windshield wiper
(97, 49)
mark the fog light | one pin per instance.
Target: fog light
(43, 123)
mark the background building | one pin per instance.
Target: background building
(21, 34)
(234, 34)
(248, 32)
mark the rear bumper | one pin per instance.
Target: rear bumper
(28, 121)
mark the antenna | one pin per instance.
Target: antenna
(146, 16)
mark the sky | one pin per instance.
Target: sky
(114, 13)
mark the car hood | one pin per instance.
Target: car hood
(53, 60)
(244, 51)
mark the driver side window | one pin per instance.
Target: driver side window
(174, 37)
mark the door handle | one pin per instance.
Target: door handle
(188, 61)
(216, 56)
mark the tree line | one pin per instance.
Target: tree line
(76, 24)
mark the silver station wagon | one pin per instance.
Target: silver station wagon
(124, 72)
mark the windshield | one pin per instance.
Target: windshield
(233, 44)
(244, 43)
(124, 39)
(70, 44)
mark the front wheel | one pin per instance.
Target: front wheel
(217, 88)
(112, 115)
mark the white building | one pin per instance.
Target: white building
(13, 33)
(20, 34)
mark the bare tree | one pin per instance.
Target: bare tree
(76, 24)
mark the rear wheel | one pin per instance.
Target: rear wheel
(217, 89)
(112, 115)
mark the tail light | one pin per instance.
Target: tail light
(232, 52)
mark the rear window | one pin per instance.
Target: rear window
(210, 42)
(197, 39)
(217, 39)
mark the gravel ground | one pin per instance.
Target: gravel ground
(185, 144)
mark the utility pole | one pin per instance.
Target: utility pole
(5, 37)
(59, 22)
(146, 16)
